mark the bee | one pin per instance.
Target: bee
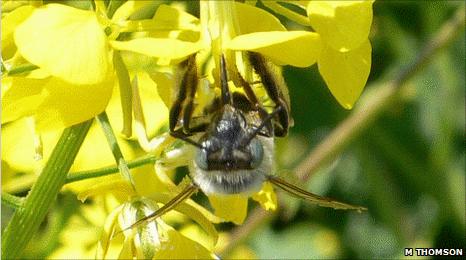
(235, 151)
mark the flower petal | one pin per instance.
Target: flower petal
(66, 42)
(177, 246)
(196, 212)
(252, 19)
(67, 104)
(297, 48)
(117, 187)
(346, 73)
(168, 22)
(230, 207)
(128, 8)
(345, 25)
(20, 97)
(266, 197)
(174, 19)
(9, 23)
(105, 239)
(164, 49)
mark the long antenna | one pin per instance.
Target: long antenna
(226, 96)
(310, 197)
(185, 194)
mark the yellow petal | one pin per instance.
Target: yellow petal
(168, 22)
(66, 42)
(9, 23)
(266, 197)
(230, 207)
(195, 233)
(18, 147)
(67, 104)
(20, 97)
(177, 246)
(128, 8)
(344, 25)
(346, 73)
(297, 48)
(155, 111)
(105, 238)
(252, 19)
(127, 250)
(164, 86)
(193, 210)
(116, 187)
(174, 19)
(166, 50)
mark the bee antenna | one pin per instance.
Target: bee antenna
(226, 97)
(264, 122)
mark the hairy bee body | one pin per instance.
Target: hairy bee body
(235, 181)
(232, 157)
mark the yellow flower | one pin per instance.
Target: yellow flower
(345, 61)
(339, 44)
(155, 240)
(75, 79)
(75, 57)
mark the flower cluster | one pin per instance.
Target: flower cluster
(63, 65)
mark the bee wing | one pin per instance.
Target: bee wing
(310, 197)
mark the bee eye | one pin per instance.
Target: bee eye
(201, 159)
(257, 153)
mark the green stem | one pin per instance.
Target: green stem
(23, 68)
(11, 201)
(82, 175)
(25, 222)
(113, 143)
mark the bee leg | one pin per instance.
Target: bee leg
(275, 85)
(191, 87)
(184, 73)
(184, 103)
(252, 98)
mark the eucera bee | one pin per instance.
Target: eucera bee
(235, 150)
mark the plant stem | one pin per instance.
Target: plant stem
(102, 118)
(22, 69)
(365, 114)
(82, 175)
(25, 221)
(12, 201)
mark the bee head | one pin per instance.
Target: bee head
(228, 145)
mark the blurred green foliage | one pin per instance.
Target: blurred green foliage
(407, 168)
